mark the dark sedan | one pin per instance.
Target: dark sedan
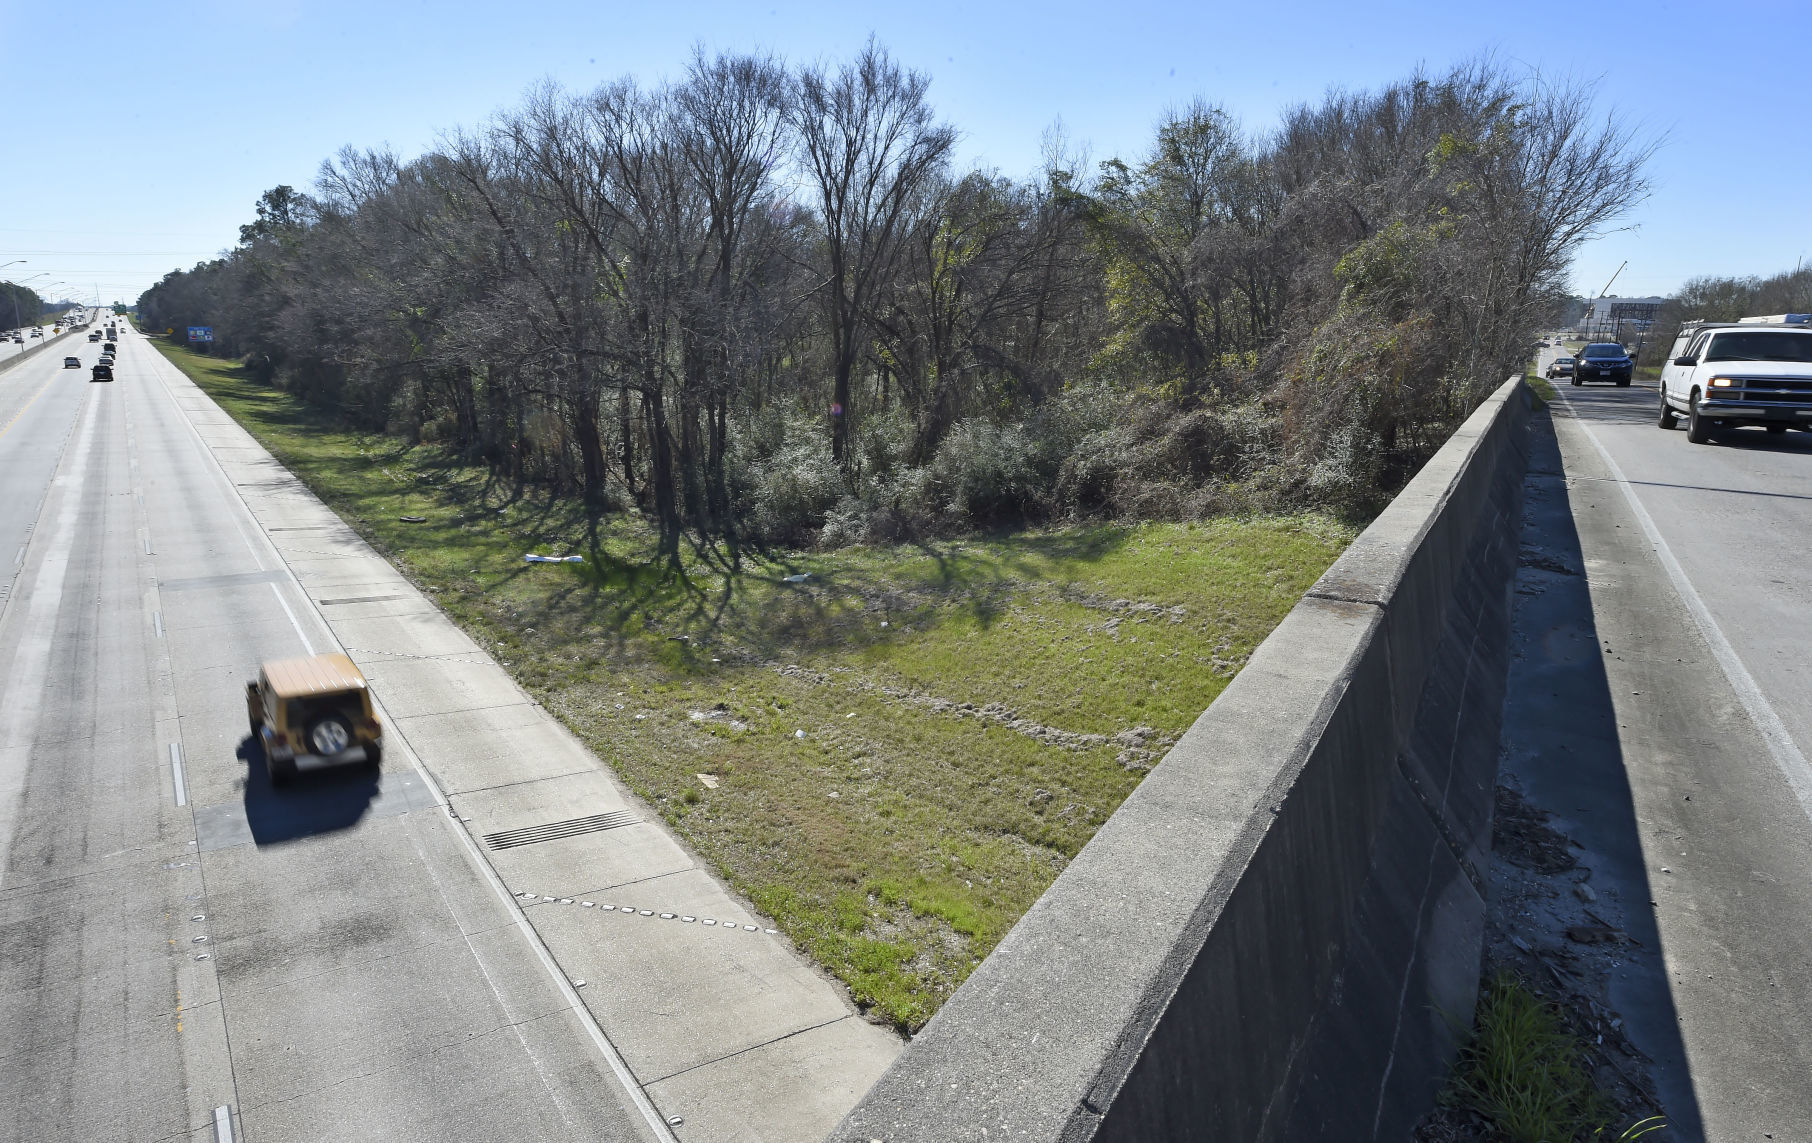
(102, 372)
(1604, 361)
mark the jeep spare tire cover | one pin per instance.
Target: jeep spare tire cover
(330, 735)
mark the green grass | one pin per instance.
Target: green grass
(1527, 1073)
(1543, 388)
(972, 710)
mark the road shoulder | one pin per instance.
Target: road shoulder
(1623, 725)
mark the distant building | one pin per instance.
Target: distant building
(1623, 320)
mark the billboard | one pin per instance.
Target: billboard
(201, 333)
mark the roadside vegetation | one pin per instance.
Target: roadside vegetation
(760, 307)
(972, 710)
(1525, 1076)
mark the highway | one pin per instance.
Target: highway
(1674, 751)
(185, 953)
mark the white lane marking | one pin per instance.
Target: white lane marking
(223, 1125)
(147, 543)
(241, 518)
(277, 591)
(157, 621)
(20, 558)
(19, 705)
(1786, 754)
(182, 787)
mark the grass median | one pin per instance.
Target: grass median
(891, 751)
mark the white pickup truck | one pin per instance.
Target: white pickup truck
(1723, 375)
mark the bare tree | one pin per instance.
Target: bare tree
(869, 144)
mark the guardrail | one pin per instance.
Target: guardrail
(1277, 936)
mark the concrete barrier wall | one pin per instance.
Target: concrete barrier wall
(1277, 935)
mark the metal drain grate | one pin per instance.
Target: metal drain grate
(510, 838)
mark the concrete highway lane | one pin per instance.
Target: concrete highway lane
(182, 953)
(1700, 600)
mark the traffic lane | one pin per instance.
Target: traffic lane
(112, 1029)
(1735, 514)
(38, 407)
(1724, 840)
(373, 983)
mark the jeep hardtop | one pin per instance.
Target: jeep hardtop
(311, 713)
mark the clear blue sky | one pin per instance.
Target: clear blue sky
(177, 115)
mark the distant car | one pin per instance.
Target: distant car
(37, 333)
(95, 336)
(1560, 367)
(1546, 344)
(72, 363)
(1603, 361)
(101, 372)
(109, 348)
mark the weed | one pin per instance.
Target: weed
(1527, 1073)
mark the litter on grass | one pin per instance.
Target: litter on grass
(532, 558)
(800, 578)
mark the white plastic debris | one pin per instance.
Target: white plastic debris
(798, 734)
(532, 558)
(800, 578)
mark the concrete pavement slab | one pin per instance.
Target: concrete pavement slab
(679, 994)
(826, 1067)
(476, 749)
(413, 688)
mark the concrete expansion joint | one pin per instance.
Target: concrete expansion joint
(751, 1048)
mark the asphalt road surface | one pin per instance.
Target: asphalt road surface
(375, 990)
(1666, 721)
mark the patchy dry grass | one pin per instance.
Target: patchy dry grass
(892, 758)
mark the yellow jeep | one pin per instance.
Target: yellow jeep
(310, 713)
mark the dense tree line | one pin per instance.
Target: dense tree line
(19, 306)
(760, 305)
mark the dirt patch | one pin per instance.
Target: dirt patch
(1520, 834)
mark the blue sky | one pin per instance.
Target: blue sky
(176, 116)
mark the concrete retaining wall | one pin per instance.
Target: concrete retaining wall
(1277, 936)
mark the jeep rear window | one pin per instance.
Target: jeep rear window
(1760, 345)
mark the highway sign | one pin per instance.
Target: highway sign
(201, 333)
